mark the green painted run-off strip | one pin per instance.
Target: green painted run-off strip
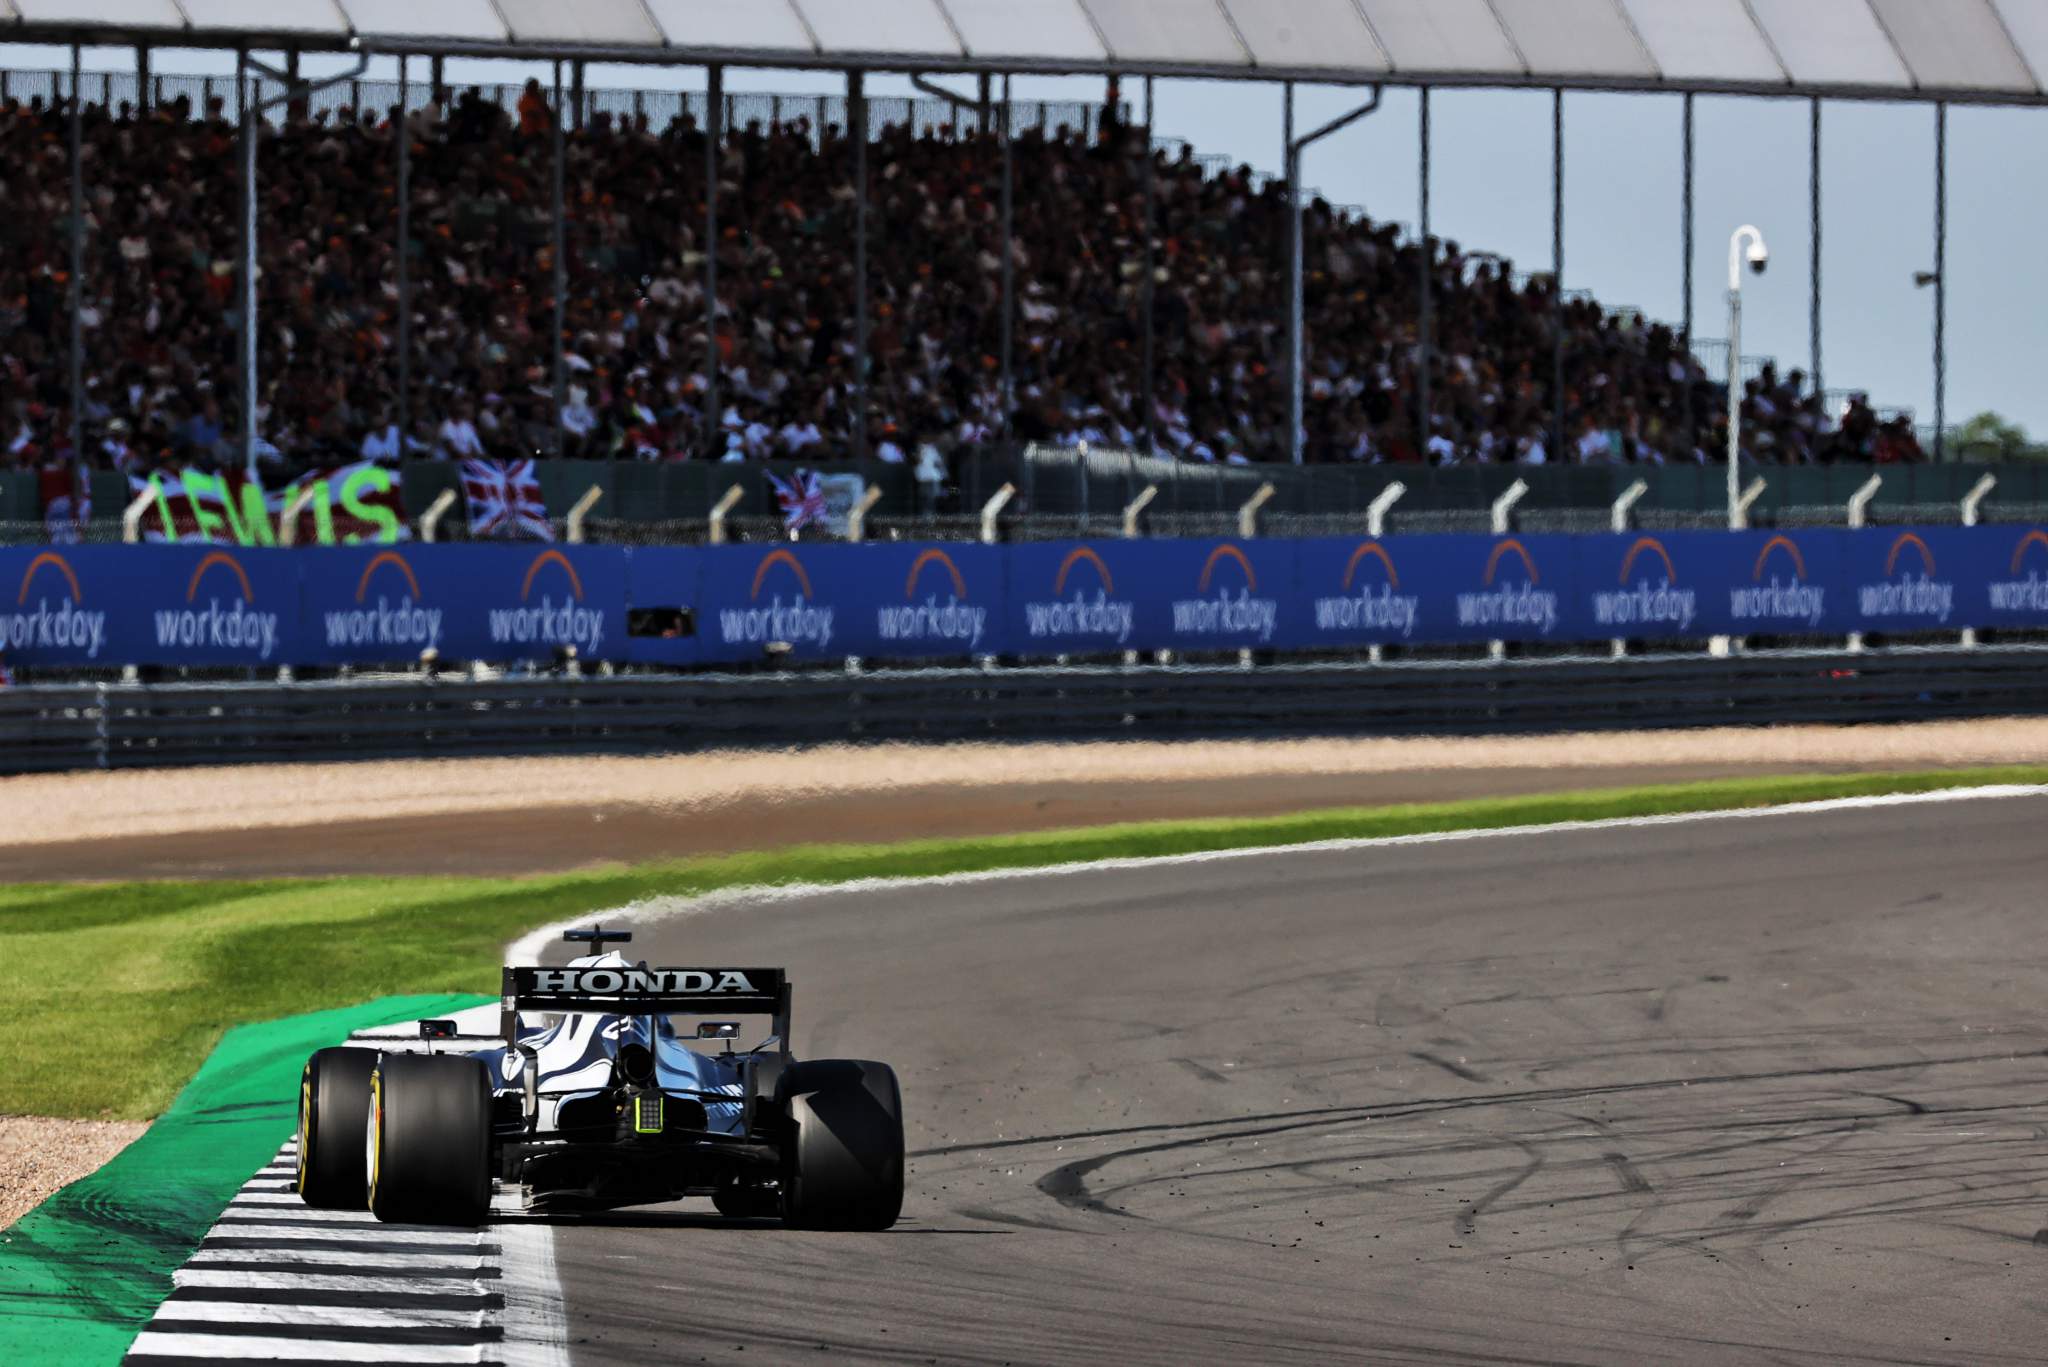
(83, 1272)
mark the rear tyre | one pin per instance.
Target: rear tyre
(843, 1159)
(430, 1140)
(334, 1112)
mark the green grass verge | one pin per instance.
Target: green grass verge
(116, 992)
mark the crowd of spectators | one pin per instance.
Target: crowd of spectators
(161, 304)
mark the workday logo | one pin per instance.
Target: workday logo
(402, 623)
(798, 621)
(1513, 595)
(547, 622)
(1371, 599)
(916, 621)
(1233, 611)
(1643, 601)
(1778, 601)
(1094, 612)
(1905, 592)
(63, 623)
(2014, 594)
(233, 624)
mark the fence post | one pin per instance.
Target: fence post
(1248, 515)
(131, 517)
(1617, 516)
(992, 509)
(438, 509)
(288, 520)
(718, 512)
(857, 520)
(1972, 501)
(1858, 503)
(1503, 515)
(1137, 506)
(581, 511)
(1376, 511)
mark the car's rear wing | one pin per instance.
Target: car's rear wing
(642, 990)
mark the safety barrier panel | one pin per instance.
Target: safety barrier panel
(75, 726)
(711, 605)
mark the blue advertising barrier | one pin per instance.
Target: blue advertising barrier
(476, 602)
(262, 607)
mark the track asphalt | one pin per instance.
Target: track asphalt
(1718, 1091)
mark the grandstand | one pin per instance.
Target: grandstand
(160, 339)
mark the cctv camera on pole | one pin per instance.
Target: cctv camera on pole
(1758, 257)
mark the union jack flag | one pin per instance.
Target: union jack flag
(801, 498)
(505, 500)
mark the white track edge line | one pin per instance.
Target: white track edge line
(528, 948)
(536, 1322)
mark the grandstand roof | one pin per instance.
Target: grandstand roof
(1980, 50)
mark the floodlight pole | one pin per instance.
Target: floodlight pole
(1813, 268)
(252, 121)
(1737, 509)
(1294, 147)
(1940, 278)
(1685, 222)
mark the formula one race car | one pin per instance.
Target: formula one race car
(589, 1099)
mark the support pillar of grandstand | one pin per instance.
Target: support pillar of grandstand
(77, 278)
(982, 101)
(574, 530)
(1813, 251)
(576, 99)
(1293, 148)
(719, 512)
(1940, 279)
(142, 82)
(1503, 522)
(1557, 451)
(714, 129)
(1009, 265)
(430, 520)
(1424, 273)
(857, 129)
(251, 104)
(1147, 359)
(402, 134)
(560, 282)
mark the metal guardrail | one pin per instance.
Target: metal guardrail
(128, 726)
